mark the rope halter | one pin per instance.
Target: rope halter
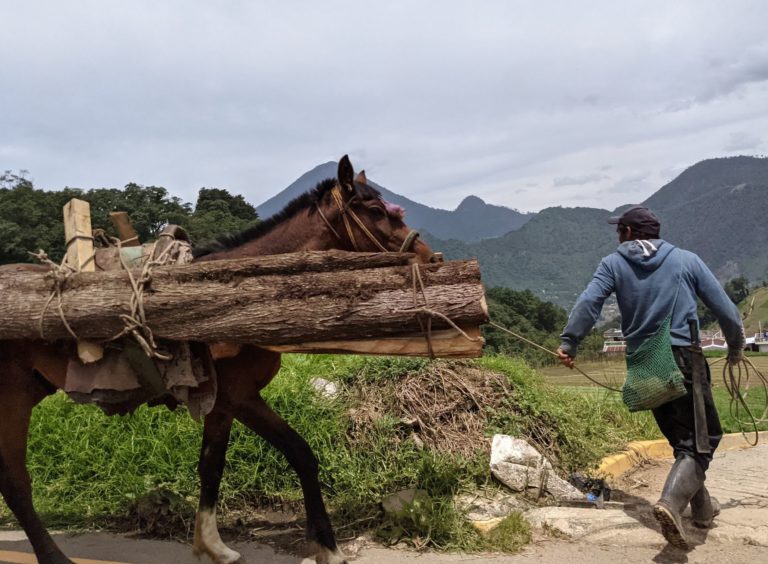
(346, 212)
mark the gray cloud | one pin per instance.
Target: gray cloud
(578, 180)
(435, 104)
(743, 141)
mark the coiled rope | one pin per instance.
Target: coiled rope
(736, 378)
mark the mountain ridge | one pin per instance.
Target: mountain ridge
(717, 208)
(473, 220)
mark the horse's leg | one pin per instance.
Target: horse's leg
(261, 419)
(211, 467)
(20, 391)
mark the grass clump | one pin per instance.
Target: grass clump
(513, 533)
(380, 436)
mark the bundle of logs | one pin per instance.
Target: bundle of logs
(334, 301)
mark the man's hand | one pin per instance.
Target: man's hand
(565, 358)
(735, 356)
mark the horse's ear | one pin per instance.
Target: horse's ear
(346, 173)
(361, 178)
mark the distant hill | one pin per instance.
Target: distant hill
(553, 255)
(717, 208)
(473, 220)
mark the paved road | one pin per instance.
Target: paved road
(738, 478)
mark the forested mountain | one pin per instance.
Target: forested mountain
(717, 208)
(473, 220)
(553, 255)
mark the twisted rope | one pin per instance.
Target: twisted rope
(61, 273)
(546, 350)
(136, 320)
(736, 376)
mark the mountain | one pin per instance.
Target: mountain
(473, 220)
(553, 255)
(717, 208)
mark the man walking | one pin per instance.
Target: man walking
(654, 281)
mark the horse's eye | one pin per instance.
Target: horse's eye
(378, 212)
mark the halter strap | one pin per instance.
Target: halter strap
(345, 210)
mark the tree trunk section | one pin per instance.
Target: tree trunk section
(273, 300)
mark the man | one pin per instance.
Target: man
(646, 272)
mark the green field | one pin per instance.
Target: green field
(612, 371)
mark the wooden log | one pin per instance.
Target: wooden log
(274, 300)
(447, 343)
(77, 233)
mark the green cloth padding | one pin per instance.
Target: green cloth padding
(653, 377)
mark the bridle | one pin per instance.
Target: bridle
(346, 213)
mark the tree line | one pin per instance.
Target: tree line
(31, 219)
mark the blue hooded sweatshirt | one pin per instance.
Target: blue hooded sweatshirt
(645, 276)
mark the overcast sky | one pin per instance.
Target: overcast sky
(525, 104)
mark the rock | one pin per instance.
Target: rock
(578, 522)
(519, 466)
(505, 448)
(399, 502)
(484, 506)
(325, 388)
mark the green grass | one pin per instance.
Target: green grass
(90, 470)
(758, 313)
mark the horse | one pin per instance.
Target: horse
(345, 213)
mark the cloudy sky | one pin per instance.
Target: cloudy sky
(525, 104)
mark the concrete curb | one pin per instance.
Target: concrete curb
(637, 452)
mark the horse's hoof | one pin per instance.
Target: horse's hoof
(326, 556)
(226, 556)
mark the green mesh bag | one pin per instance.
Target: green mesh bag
(653, 377)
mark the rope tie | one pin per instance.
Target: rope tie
(61, 273)
(425, 310)
(136, 320)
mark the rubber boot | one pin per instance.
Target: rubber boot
(704, 508)
(684, 480)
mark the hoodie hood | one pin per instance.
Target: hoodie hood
(647, 254)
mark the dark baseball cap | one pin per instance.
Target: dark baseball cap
(640, 219)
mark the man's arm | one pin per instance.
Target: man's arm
(585, 313)
(717, 301)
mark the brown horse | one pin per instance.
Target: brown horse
(345, 213)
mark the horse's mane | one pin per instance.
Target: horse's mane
(306, 200)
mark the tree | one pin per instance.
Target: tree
(523, 313)
(737, 289)
(218, 212)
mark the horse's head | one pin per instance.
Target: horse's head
(359, 219)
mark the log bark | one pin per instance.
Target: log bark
(270, 300)
(448, 343)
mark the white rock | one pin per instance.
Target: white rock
(505, 448)
(519, 466)
(325, 388)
